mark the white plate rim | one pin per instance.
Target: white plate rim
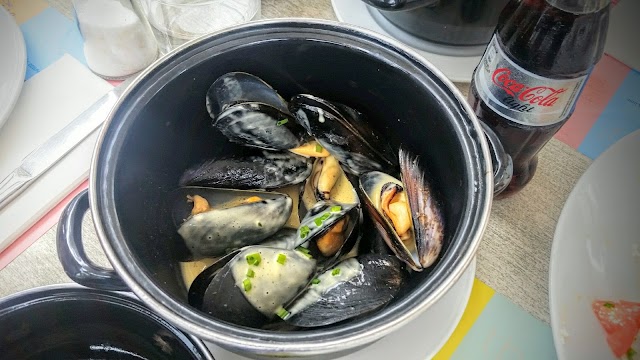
(557, 327)
(13, 37)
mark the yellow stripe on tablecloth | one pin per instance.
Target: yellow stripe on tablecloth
(23, 10)
(480, 296)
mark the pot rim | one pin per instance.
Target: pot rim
(124, 296)
(251, 340)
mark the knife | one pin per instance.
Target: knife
(57, 146)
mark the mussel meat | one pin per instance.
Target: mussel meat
(405, 212)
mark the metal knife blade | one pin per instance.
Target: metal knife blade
(57, 146)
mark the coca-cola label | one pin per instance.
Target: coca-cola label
(520, 95)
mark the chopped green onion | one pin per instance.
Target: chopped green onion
(281, 259)
(631, 354)
(318, 221)
(282, 313)
(609, 305)
(304, 251)
(318, 148)
(254, 259)
(335, 272)
(246, 283)
(304, 231)
(315, 281)
(335, 209)
(325, 216)
(250, 273)
(282, 122)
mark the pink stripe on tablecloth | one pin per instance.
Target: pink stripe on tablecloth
(38, 229)
(600, 88)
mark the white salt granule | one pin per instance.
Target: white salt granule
(116, 42)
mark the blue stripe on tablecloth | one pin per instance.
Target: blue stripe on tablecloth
(620, 117)
(48, 36)
(506, 331)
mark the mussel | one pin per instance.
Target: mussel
(250, 112)
(270, 170)
(214, 221)
(341, 130)
(405, 212)
(251, 286)
(351, 288)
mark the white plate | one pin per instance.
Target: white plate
(412, 342)
(13, 63)
(456, 68)
(593, 250)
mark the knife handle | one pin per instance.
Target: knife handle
(12, 185)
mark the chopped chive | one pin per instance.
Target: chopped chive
(335, 209)
(631, 354)
(282, 122)
(304, 251)
(304, 231)
(318, 148)
(281, 259)
(335, 272)
(315, 281)
(250, 273)
(609, 305)
(318, 221)
(282, 313)
(246, 283)
(254, 259)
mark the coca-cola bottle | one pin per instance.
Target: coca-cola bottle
(532, 72)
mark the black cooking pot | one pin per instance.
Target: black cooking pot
(160, 127)
(461, 23)
(71, 322)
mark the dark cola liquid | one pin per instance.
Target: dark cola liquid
(551, 43)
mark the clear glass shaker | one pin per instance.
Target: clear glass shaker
(118, 41)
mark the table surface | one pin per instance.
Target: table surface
(513, 258)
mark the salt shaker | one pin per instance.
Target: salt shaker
(118, 41)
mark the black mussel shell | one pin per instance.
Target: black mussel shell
(356, 286)
(271, 170)
(261, 126)
(231, 223)
(240, 87)
(345, 133)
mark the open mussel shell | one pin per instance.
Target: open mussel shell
(351, 288)
(252, 285)
(236, 218)
(269, 170)
(240, 87)
(328, 231)
(422, 246)
(260, 125)
(344, 132)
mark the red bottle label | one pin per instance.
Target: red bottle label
(520, 95)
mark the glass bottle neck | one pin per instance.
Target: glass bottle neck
(579, 6)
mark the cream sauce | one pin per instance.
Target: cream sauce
(191, 269)
(349, 269)
(272, 284)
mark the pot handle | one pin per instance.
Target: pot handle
(71, 251)
(502, 162)
(391, 5)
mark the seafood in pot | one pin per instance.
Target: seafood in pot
(405, 212)
(353, 287)
(327, 262)
(271, 170)
(343, 132)
(215, 221)
(250, 112)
